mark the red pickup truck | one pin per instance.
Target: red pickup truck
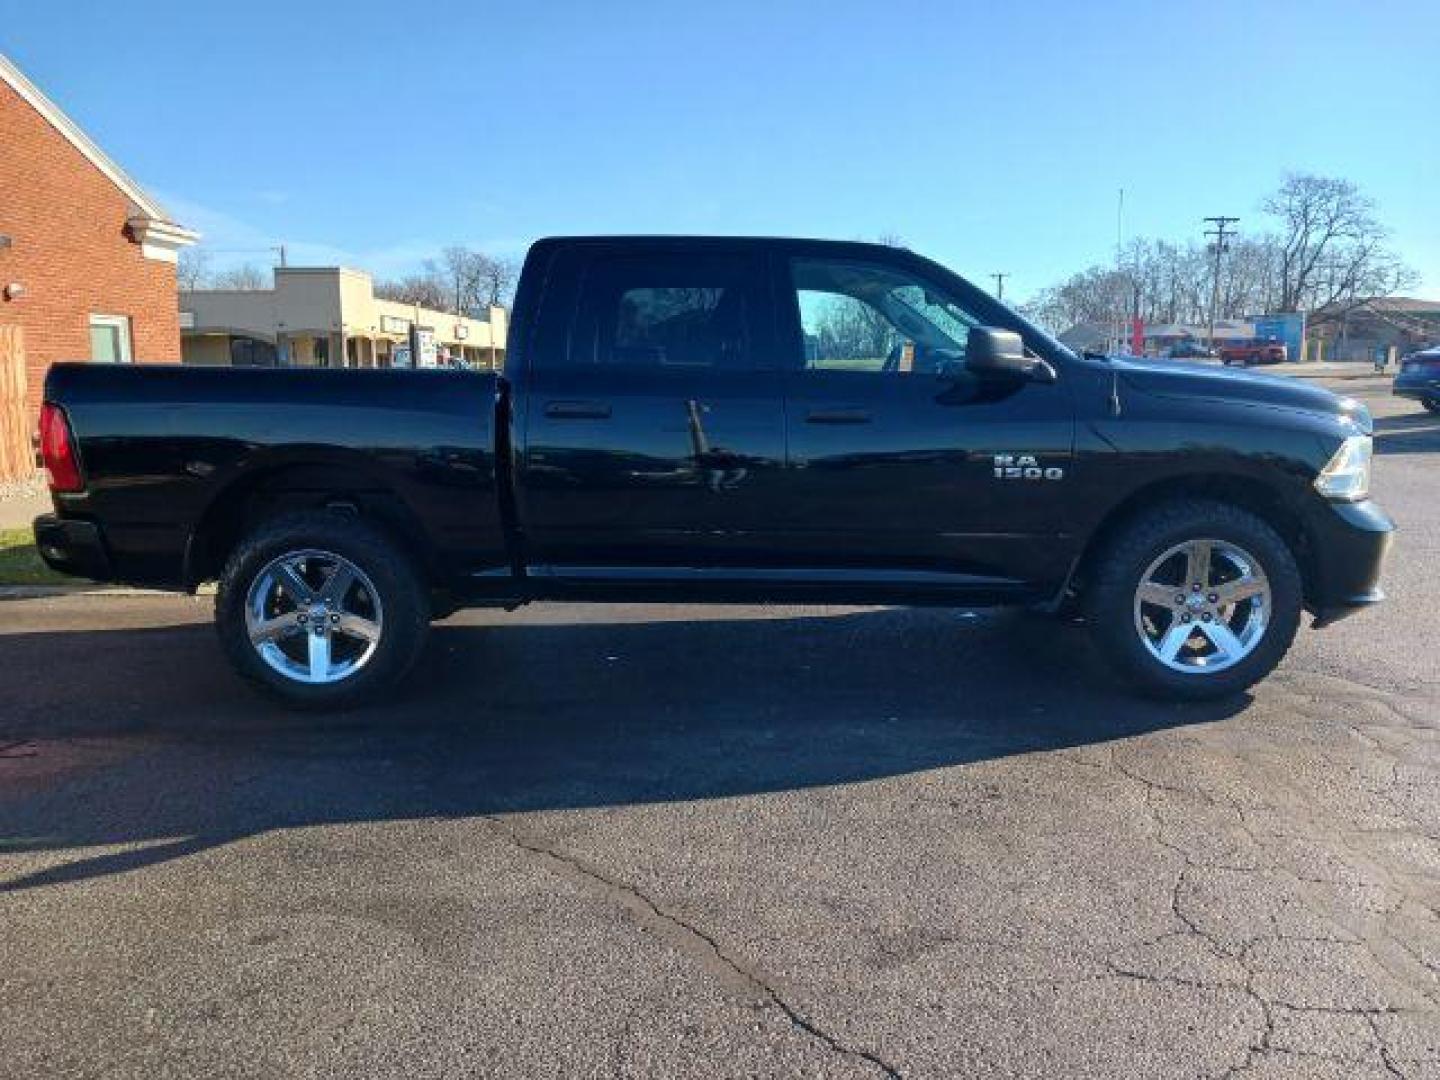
(1245, 353)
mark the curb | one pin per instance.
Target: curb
(1341, 376)
(42, 592)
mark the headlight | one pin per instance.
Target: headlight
(1347, 476)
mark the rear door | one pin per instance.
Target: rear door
(904, 465)
(654, 431)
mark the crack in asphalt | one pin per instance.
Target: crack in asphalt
(1158, 836)
(1262, 1046)
(1385, 1059)
(693, 942)
(749, 985)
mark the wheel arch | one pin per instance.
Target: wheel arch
(345, 482)
(1246, 492)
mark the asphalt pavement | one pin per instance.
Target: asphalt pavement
(672, 841)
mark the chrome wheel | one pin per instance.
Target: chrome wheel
(313, 616)
(1202, 606)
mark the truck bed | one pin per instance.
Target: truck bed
(167, 448)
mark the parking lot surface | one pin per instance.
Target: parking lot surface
(689, 841)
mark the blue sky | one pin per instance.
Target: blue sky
(992, 136)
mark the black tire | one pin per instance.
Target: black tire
(1110, 597)
(403, 597)
(1432, 405)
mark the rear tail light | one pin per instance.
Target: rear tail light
(57, 448)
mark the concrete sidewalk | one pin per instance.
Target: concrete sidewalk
(1327, 370)
(19, 504)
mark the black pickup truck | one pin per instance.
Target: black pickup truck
(693, 419)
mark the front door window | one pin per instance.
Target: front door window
(856, 317)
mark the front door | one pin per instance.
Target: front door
(654, 440)
(905, 465)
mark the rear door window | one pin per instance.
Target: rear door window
(667, 312)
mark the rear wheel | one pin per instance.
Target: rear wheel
(1195, 600)
(1432, 404)
(321, 610)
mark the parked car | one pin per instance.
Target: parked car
(1419, 378)
(1258, 351)
(699, 419)
(1189, 350)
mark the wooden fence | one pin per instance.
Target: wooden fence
(17, 454)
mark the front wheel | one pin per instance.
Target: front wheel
(1195, 600)
(321, 610)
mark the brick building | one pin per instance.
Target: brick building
(87, 258)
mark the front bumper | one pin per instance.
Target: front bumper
(73, 547)
(1348, 543)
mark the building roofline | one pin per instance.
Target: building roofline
(56, 118)
(351, 270)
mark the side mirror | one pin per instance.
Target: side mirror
(993, 352)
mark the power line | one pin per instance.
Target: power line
(1222, 223)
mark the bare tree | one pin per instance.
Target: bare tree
(461, 269)
(1095, 295)
(193, 269)
(497, 281)
(1332, 248)
(428, 289)
(1329, 256)
(1249, 277)
(461, 281)
(245, 278)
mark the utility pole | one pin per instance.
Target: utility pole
(1000, 277)
(1220, 233)
(1137, 330)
